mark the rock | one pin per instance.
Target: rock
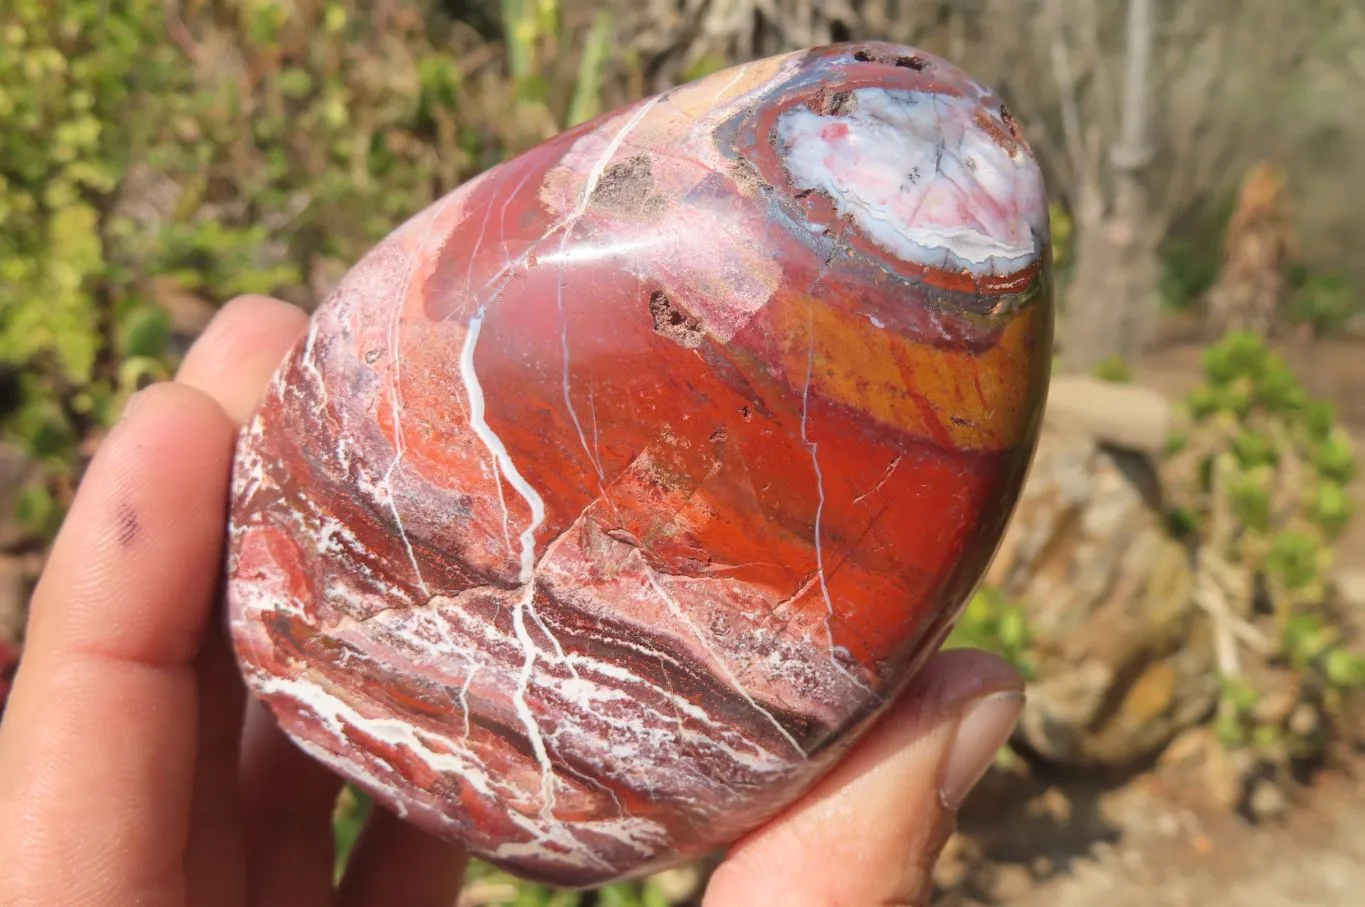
(1127, 416)
(954, 862)
(1011, 881)
(1125, 660)
(1268, 800)
(1198, 769)
(606, 500)
(1354, 329)
(1349, 585)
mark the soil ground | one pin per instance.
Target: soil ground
(1135, 847)
(1081, 844)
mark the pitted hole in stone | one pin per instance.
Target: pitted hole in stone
(674, 323)
(628, 187)
(1000, 133)
(1011, 125)
(747, 177)
(828, 103)
(904, 61)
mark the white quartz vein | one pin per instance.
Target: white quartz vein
(479, 423)
(716, 657)
(510, 266)
(739, 74)
(309, 362)
(395, 401)
(469, 288)
(589, 187)
(336, 715)
(813, 447)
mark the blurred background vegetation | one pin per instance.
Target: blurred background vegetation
(158, 157)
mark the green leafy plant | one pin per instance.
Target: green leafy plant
(352, 809)
(1258, 482)
(1115, 370)
(993, 623)
(543, 70)
(1324, 302)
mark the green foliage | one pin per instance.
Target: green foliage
(1324, 302)
(1270, 425)
(1259, 477)
(1063, 237)
(37, 511)
(1189, 270)
(993, 623)
(352, 809)
(1114, 369)
(1295, 558)
(539, 55)
(66, 142)
(1235, 721)
(1192, 256)
(585, 102)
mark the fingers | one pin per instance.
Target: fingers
(232, 362)
(397, 865)
(214, 852)
(871, 831)
(287, 801)
(267, 797)
(98, 744)
(235, 357)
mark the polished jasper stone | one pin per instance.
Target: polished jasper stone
(607, 501)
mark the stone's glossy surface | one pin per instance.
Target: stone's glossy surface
(607, 501)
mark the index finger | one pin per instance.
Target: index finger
(97, 745)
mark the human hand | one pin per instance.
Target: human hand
(134, 769)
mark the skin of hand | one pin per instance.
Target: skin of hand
(135, 769)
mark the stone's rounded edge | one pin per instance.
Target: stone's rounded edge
(825, 205)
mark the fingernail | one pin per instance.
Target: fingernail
(986, 726)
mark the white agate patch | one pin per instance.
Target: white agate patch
(922, 178)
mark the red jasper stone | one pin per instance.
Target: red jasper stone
(609, 499)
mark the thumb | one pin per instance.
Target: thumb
(870, 832)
